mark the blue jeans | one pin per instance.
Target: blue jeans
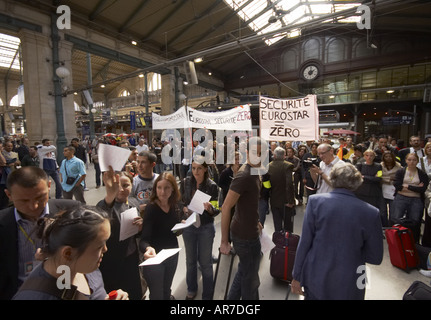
(411, 206)
(246, 283)
(58, 189)
(199, 245)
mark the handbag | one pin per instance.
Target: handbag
(69, 180)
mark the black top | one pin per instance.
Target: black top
(156, 229)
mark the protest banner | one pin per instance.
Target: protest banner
(289, 119)
(238, 118)
(176, 120)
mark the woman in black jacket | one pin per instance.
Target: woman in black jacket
(199, 238)
(120, 263)
(410, 185)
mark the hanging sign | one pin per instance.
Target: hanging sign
(289, 119)
(238, 118)
(176, 120)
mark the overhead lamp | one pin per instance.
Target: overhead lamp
(62, 72)
(134, 42)
(102, 86)
(390, 91)
(141, 75)
(210, 73)
(279, 14)
(199, 59)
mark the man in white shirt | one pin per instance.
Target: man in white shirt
(321, 173)
(142, 145)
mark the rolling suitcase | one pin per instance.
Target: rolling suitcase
(282, 256)
(402, 250)
(232, 258)
(418, 291)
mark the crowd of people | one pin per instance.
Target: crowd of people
(346, 188)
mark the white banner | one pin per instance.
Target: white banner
(289, 119)
(176, 120)
(238, 118)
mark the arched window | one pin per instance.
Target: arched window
(311, 50)
(124, 93)
(290, 60)
(14, 101)
(155, 82)
(360, 49)
(335, 51)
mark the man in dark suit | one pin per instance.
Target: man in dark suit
(28, 189)
(415, 147)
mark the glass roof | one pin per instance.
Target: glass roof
(265, 16)
(9, 57)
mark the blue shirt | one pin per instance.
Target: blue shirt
(75, 168)
(27, 244)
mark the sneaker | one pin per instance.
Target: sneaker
(86, 189)
(426, 273)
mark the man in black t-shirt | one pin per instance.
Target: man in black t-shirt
(245, 226)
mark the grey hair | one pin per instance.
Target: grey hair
(345, 175)
(279, 153)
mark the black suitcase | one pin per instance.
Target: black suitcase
(418, 291)
(423, 253)
(232, 258)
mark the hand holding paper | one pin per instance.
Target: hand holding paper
(113, 156)
(127, 227)
(187, 223)
(160, 257)
(197, 203)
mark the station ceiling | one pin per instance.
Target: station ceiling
(229, 35)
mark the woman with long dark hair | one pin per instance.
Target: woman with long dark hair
(199, 238)
(161, 215)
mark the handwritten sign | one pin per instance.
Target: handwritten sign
(289, 119)
(238, 118)
(174, 120)
(186, 117)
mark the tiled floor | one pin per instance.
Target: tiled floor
(386, 282)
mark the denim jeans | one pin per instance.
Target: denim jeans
(199, 245)
(58, 189)
(98, 173)
(411, 206)
(246, 283)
